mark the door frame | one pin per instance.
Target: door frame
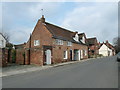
(48, 56)
(45, 47)
(76, 54)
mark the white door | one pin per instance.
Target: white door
(48, 56)
(81, 54)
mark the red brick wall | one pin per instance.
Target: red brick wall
(20, 56)
(3, 57)
(40, 33)
(10, 56)
(36, 56)
(0, 57)
(95, 49)
(36, 52)
(58, 51)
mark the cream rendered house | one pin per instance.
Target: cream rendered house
(2, 41)
(106, 49)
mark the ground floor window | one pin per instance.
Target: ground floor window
(65, 55)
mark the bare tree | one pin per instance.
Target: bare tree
(6, 36)
(116, 42)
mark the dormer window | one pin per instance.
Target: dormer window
(83, 39)
(76, 38)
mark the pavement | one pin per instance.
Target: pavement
(18, 69)
(94, 73)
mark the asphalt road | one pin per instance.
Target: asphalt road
(98, 73)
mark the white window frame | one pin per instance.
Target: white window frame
(65, 55)
(36, 42)
(76, 38)
(59, 42)
(69, 43)
(83, 39)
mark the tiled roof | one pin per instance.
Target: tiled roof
(81, 35)
(20, 46)
(61, 33)
(91, 40)
(108, 45)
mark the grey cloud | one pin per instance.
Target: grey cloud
(99, 20)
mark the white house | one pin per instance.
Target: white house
(106, 49)
(2, 41)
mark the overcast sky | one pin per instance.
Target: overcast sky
(96, 19)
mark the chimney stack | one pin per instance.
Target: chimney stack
(42, 19)
(106, 41)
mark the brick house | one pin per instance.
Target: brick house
(106, 49)
(50, 44)
(92, 46)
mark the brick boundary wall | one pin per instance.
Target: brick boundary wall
(20, 56)
(26, 56)
(0, 57)
(3, 57)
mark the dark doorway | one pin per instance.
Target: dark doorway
(71, 55)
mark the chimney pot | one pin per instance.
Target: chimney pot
(106, 41)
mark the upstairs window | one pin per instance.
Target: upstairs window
(83, 39)
(36, 42)
(76, 38)
(59, 42)
(69, 43)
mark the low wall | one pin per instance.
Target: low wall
(3, 57)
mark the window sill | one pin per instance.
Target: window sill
(64, 58)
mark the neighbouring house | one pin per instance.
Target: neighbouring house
(106, 49)
(50, 44)
(92, 47)
(2, 41)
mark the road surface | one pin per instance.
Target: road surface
(97, 73)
